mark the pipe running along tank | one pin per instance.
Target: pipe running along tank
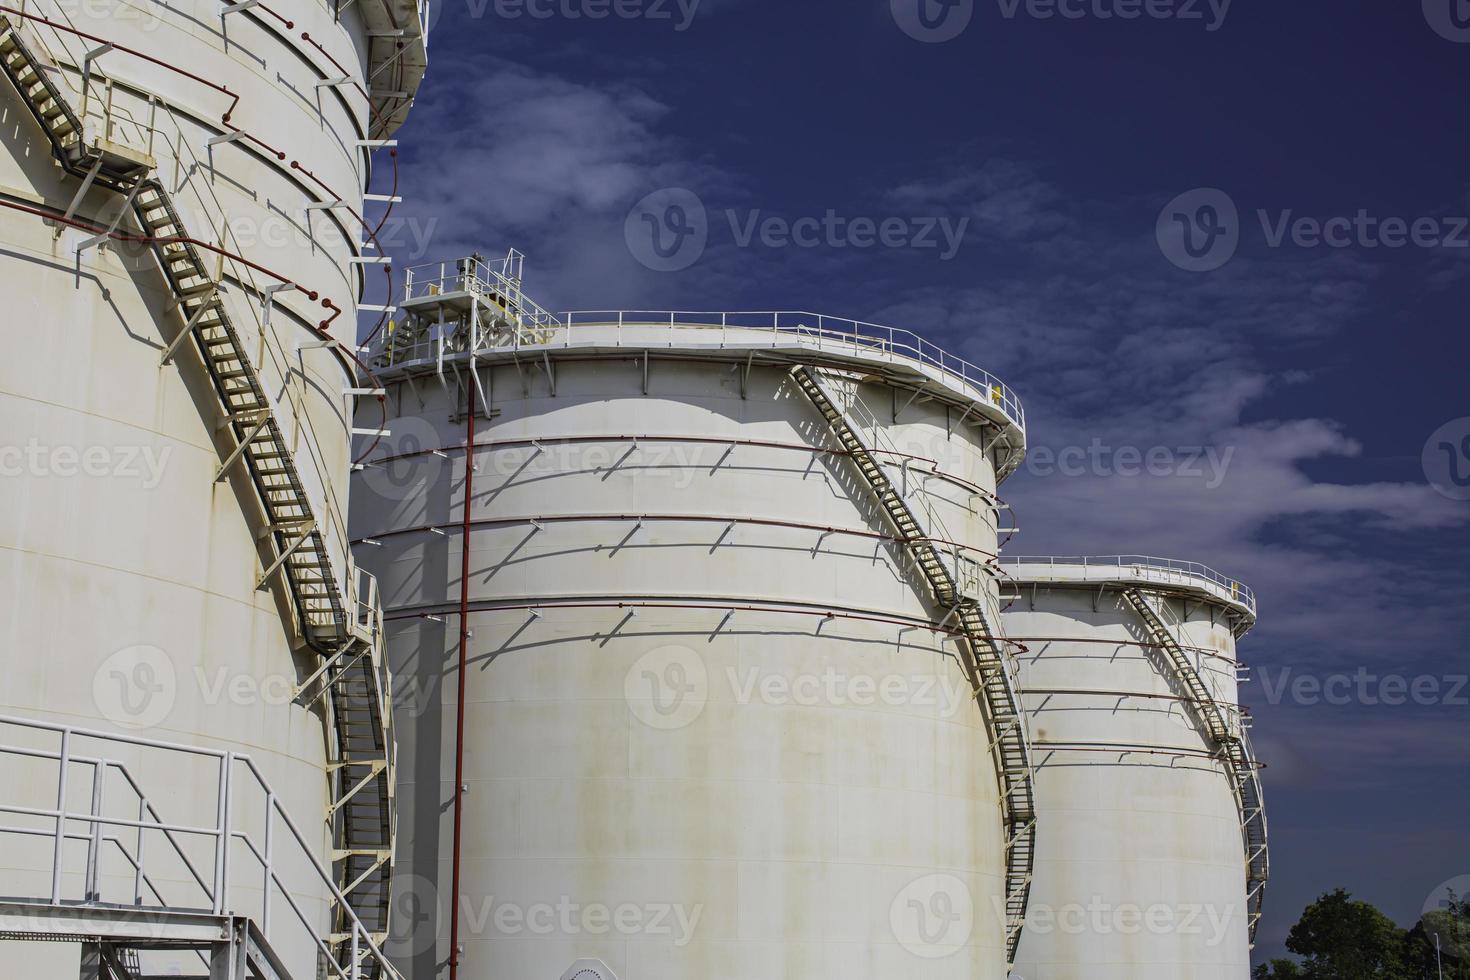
(712, 577)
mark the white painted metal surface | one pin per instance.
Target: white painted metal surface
(1140, 869)
(129, 562)
(136, 842)
(713, 725)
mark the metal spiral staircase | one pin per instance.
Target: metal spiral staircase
(352, 674)
(1009, 744)
(1233, 744)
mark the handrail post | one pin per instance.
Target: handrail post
(269, 862)
(221, 844)
(138, 869)
(65, 763)
(94, 842)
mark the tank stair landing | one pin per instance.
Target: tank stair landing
(991, 671)
(492, 301)
(117, 942)
(360, 758)
(1230, 741)
(247, 409)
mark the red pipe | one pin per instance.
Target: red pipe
(235, 99)
(280, 155)
(337, 311)
(121, 236)
(464, 638)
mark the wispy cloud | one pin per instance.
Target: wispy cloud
(1114, 349)
(525, 158)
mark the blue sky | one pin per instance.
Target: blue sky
(1034, 178)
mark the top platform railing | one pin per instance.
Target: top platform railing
(1141, 567)
(672, 329)
(132, 853)
(470, 275)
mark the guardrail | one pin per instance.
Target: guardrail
(236, 779)
(67, 59)
(1170, 569)
(738, 329)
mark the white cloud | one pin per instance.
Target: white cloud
(530, 159)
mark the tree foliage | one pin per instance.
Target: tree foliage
(1339, 938)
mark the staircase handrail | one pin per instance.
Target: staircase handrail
(223, 831)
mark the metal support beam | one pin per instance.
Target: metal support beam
(269, 302)
(126, 208)
(205, 305)
(239, 450)
(76, 199)
(284, 556)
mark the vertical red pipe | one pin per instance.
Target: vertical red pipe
(464, 637)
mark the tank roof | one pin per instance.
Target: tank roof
(886, 354)
(1180, 577)
(510, 326)
(398, 57)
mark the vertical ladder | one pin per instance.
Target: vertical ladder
(990, 668)
(360, 759)
(1232, 744)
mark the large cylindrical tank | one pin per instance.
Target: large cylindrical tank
(1141, 869)
(128, 571)
(712, 723)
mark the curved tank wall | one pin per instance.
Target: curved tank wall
(711, 728)
(1140, 869)
(128, 573)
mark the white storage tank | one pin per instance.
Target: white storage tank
(714, 724)
(179, 182)
(1151, 844)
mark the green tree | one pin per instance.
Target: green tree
(1342, 939)
(1451, 926)
(1278, 970)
